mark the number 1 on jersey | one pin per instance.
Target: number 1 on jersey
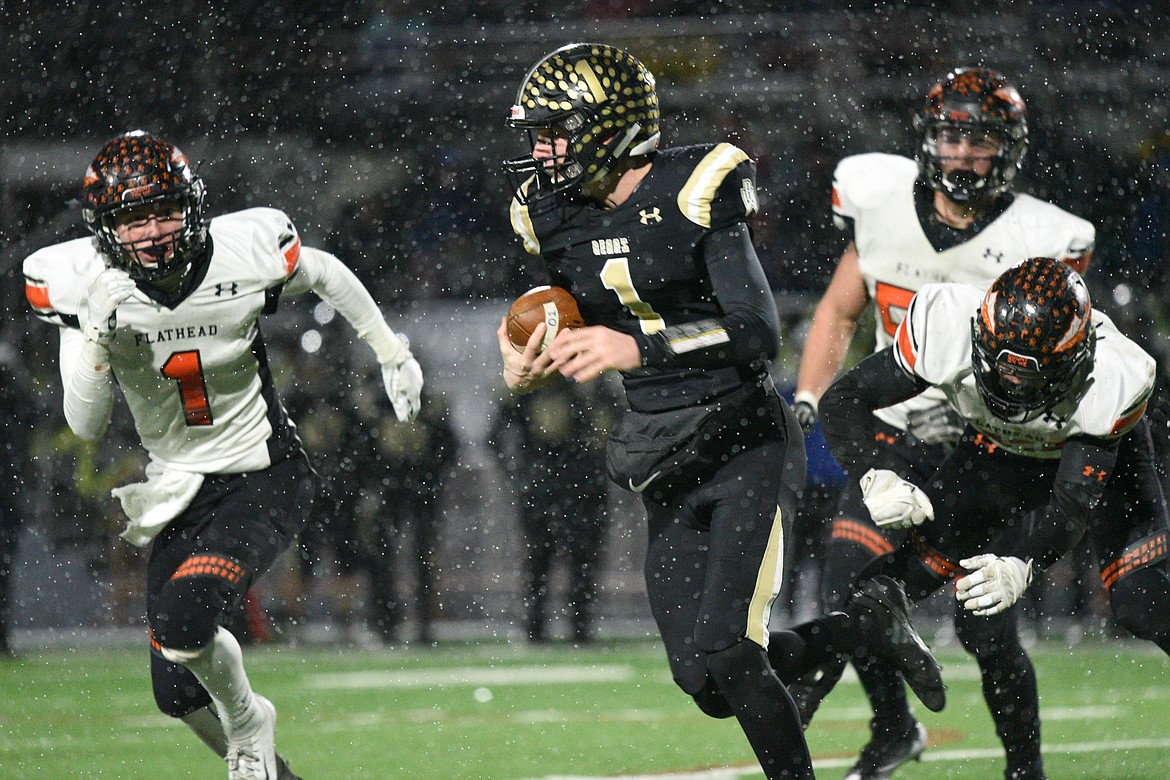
(187, 369)
(616, 276)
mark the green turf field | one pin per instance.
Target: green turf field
(509, 711)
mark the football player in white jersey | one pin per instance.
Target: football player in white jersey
(1052, 396)
(167, 304)
(950, 216)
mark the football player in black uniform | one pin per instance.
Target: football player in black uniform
(653, 244)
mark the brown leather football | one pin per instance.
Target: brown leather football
(553, 306)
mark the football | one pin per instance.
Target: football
(553, 306)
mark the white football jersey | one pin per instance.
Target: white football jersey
(876, 193)
(195, 377)
(934, 344)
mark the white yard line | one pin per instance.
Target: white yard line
(935, 756)
(473, 675)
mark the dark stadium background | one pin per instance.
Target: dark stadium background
(379, 127)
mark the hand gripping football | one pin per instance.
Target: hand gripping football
(553, 306)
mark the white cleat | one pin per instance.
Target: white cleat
(251, 754)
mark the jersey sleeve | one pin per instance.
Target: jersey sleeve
(862, 181)
(933, 341)
(275, 243)
(721, 189)
(1121, 384)
(56, 279)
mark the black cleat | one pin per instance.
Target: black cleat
(811, 689)
(898, 643)
(886, 752)
(282, 770)
(1030, 773)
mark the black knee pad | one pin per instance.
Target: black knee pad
(984, 637)
(187, 610)
(176, 691)
(712, 701)
(1141, 603)
(741, 662)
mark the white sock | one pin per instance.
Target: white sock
(219, 667)
(207, 727)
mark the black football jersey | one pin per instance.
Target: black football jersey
(643, 268)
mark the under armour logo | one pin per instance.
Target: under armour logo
(653, 214)
(228, 288)
(996, 256)
(1092, 472)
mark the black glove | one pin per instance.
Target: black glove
(806, 414)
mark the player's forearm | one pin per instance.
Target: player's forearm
(824, 353)
(1084, 471)
(749, 329)
(335, 284)
(846, 409)
(88, 395)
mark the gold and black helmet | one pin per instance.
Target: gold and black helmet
(600, 99)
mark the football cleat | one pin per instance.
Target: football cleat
(252, 755)
(282, 770)
(1030, 773)
(886, 752)
(811, 689)
(897, 642)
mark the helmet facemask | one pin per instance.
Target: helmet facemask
(965, 184)
(976, 104)
(1017, 390)
(1033, 340)
(137, 176)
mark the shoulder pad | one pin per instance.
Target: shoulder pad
(721, 189)
(56, 278)
(1122, 383)
(934, 339)
(274, 242)
(864, 181)
(1056, 232)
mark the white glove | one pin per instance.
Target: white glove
(892, 501)
(111, 287)
(994, 583)
(938, 424)
(404, 384)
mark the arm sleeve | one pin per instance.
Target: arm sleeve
(1086, 465)
(749, 328)
(335, 284)
(846, 408)
(85, 377)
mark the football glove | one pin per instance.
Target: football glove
(892, 501)
(404, 383)
(994, 583)
(805, 408)
(937, 425)
(111, 287)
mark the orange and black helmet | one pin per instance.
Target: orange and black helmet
(975, 102)
(130, 171)
(1033, 340)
